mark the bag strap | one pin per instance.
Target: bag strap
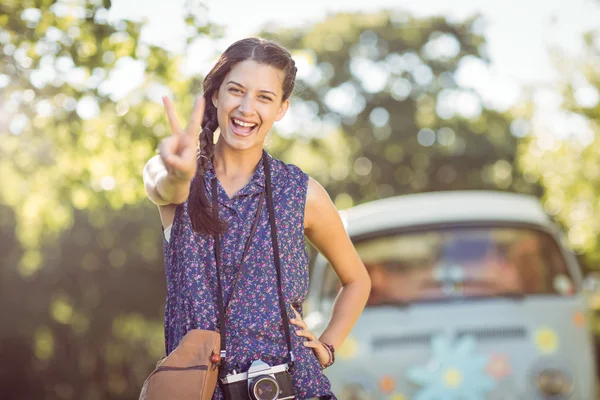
(223, 351)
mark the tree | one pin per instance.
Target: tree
(563, 155)
(89, 324)
(81, 112)
(382, 107)
(81, 281)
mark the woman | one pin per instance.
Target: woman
(244, 94)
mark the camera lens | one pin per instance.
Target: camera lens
(264, 388)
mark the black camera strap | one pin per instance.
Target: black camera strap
(284, 319)
(221, 306)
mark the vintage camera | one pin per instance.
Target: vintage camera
(261, 382)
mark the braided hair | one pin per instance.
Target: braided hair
(262, 51)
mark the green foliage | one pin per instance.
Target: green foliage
(89, 324)
(385, 83)
(81, 278)
(566, 161)
(568, 165)
(68, 139)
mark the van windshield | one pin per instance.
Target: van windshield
(439, 264)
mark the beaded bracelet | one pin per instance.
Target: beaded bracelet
(331, 351)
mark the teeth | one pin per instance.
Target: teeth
(242, 123)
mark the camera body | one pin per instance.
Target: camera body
(261, 382)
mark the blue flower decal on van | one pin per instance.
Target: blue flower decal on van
(454, 372)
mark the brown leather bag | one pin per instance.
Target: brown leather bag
(189, 372)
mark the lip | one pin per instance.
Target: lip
(242, 134)
(244, 120)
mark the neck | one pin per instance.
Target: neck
(231, 163)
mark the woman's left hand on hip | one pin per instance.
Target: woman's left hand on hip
(311, 341)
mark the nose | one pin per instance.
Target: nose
(246, 106)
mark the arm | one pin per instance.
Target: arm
(323, 227)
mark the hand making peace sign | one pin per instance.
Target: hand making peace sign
(178, 151)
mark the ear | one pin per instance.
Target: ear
(282, 110)
(215, 99)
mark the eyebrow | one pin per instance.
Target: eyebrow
(262, 91)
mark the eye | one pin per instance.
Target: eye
(264, 97)
(234, 90)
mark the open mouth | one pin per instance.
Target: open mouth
(242, 128)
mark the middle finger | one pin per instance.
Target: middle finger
(307, 334)
(172, 116)
(299, 322)
(193, 128)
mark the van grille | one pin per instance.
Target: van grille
(424, 339)
(417, 339)
(504, 333)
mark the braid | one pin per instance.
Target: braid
(205, 150)
(206, 145)
(199, 206)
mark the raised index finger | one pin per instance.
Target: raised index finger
(172, 116)
(197, 116)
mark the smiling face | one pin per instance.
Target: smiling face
(248, 102)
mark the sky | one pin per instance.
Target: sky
(519, 35)
(518, 31)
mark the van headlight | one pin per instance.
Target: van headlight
(554, 382)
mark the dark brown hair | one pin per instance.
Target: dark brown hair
(262, 51)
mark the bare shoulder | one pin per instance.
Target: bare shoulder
(319, 207)
(316, 193)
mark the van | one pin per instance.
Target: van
(474, 296)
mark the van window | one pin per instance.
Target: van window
(440, 264)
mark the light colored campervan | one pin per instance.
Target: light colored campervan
(474, 297)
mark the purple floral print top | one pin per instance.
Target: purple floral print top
(254, 329)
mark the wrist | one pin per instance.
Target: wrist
(331, 350)
(170, 189)
(176, 177)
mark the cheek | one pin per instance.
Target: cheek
(224, 110)
(270, 115)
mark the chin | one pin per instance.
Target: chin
(243, 146)
(238, 143)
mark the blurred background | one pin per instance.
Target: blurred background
(393, 97)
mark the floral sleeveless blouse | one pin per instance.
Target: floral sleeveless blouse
(254, 329)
